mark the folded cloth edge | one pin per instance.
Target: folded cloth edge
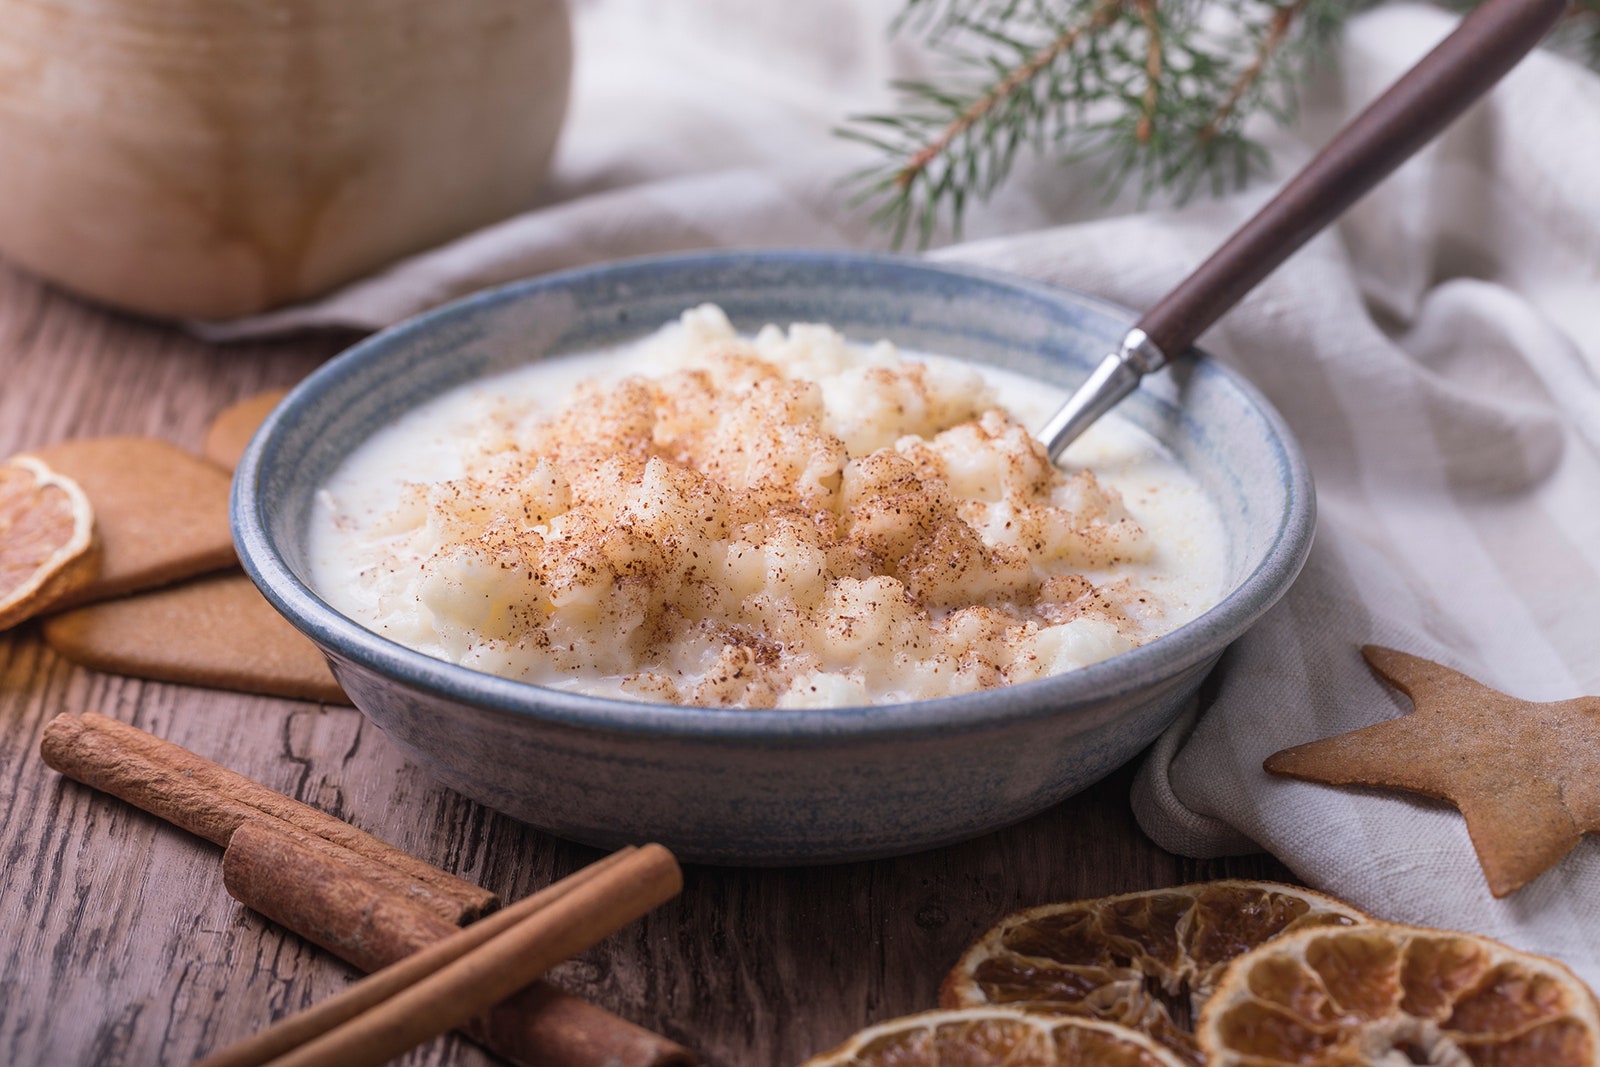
(1164, 818)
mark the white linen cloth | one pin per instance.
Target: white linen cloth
(1438, 358)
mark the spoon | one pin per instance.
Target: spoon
(1486, 44)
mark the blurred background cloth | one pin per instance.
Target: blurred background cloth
(1438, 357)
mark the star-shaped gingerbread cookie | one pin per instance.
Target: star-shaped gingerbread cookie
(1526, 776)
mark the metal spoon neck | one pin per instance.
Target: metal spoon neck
(1116, 376)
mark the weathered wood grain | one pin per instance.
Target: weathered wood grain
(120, 946)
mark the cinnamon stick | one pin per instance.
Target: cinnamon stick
(310, 893)
(498, 967)
(211, 801)
(326, 902)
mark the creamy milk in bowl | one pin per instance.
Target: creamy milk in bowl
(754, 554)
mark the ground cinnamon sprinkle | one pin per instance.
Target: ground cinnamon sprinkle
(777, 521)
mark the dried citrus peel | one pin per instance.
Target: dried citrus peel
(46, 538)
(1382, 993)
(1106, 957)
(996, 1036)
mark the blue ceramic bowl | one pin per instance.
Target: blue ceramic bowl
(772, 787)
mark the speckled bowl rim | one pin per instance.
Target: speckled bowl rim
(1126, 673)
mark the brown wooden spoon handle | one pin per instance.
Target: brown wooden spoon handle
(1488, 43)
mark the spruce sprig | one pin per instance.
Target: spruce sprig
(1161, 91)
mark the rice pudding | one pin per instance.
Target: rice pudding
(784, 520)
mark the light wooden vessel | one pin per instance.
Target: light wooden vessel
(195, 158)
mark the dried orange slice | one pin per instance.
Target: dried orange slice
(1130, 959)
(976, 1037)
(1381, 993)
(46, 532)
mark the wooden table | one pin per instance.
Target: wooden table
(120, 945)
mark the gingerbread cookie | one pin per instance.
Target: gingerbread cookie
(160, 514)
(215, 631)
(234, 425)
(1526, 776)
